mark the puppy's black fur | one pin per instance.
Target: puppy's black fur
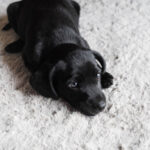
(60, 60)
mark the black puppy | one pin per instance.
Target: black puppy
(60, 60)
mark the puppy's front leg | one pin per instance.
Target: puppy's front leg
(40, 82)
(32, 56)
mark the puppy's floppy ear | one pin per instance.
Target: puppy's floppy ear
(59, 66)
(53, 92)
(42, 80)
(106, 78)
(101, 60)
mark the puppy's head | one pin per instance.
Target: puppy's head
(78, 80)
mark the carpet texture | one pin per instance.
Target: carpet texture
(120, 31)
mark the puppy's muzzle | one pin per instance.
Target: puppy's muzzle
(98, 103)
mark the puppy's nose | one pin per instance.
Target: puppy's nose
(97, 104)
(100, 101)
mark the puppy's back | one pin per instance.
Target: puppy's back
(46, 15)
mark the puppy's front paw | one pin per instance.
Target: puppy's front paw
(107, 80)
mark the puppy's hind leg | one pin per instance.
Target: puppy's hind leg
(15, 47)
(13, 12)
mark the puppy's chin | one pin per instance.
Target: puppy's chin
(85, 109)
(88, 110)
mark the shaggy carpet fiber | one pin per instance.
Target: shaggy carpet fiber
(120, 31)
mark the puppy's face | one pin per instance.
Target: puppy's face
(78, 81)
(77, 78)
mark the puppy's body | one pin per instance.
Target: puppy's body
(48, 20)
(43, 25)
(60, 60)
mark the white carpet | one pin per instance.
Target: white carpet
(120, 30)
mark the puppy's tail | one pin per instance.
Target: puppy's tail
(6, 27)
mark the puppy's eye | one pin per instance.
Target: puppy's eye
(73, 84)
(98, 75)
